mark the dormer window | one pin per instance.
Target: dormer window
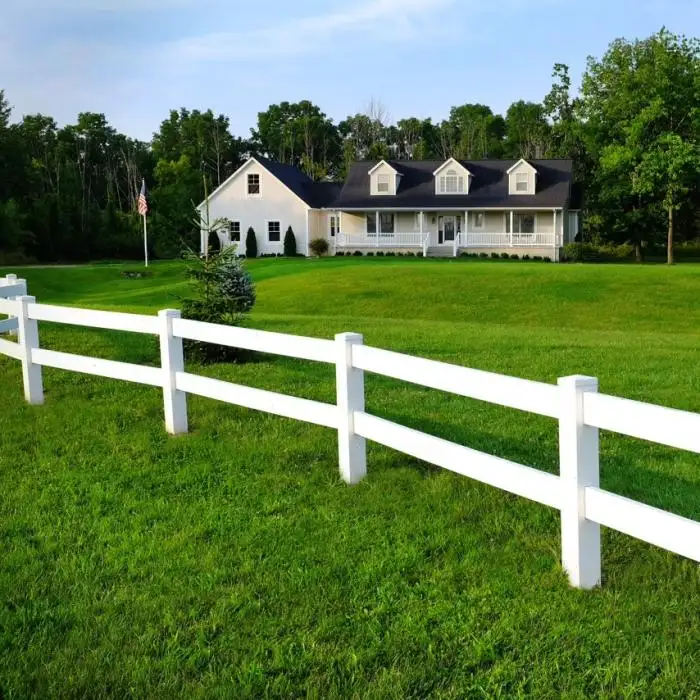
(384, 179)
(522, 178)
(452, 183)
(452, 178)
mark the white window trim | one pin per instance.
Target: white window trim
(461, 187)
(240, 228)
(254, 195)
(483, 220)
(383, 179)
(333, 225)
(393, 220)
(267, 229)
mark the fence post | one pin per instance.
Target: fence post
(11, 280)
(350, 386)
(28, 331)
(172, 360)
(579, 467)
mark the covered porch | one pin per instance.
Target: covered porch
(445, 232)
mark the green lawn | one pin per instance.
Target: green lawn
(232, 562)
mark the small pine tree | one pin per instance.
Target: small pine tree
(290, 243)
(251, 244)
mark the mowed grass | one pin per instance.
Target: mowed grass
(233, 562)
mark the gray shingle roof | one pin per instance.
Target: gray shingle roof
(489, 187)
(315, 194)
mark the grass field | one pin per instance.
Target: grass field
(232, 562)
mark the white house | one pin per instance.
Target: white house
(434, 207)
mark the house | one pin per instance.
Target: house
(433, 207)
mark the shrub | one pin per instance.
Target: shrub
(391, 252)
(483, 255)
(537, 258)
(223, 293)
(504, 256)
(370, 253)
(251, 244)
(358, 253)
(380, 253)
(515, 256)
(319, 246)
(339, 253)
(495, 256)
(589, 252)
(290, 243)
(526, 257)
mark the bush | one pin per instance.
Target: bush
(537, 258)
(515, 256)
(589, 252)
(525, 257)
(339, 253)
(290, 243)
(223, 293)
(319, 247)
(251, 244)
(483, 255)
(358, 253)
(495, 256)
(370, 253)
(504, 256)
(380, 253)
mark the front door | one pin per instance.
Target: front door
(446, 234)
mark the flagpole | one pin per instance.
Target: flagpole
(145, 240)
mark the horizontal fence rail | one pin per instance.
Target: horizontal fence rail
(575, 403)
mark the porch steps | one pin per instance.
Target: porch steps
(440, 252)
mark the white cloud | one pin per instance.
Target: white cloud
(311, 34)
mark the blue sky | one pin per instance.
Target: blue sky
(136, 59)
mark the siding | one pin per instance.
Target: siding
(276, 203)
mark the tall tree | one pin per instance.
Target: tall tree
(528, 133)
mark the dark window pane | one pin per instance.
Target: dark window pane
(371, 223)
(386, 223)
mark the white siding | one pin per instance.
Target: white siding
(276, 202)
(459, 169)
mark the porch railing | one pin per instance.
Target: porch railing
(476, 239)
(398, 239)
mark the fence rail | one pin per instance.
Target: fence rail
(575, 403)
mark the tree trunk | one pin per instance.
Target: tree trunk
(638, 252)
(670, 236)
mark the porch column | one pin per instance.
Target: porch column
(420, 214)
(377, 227)
(466, 228)
(554, 225)
(511, 228)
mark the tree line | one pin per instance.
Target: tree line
(632, 129)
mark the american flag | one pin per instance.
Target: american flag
(142, 201)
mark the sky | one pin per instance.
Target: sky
(134, 60)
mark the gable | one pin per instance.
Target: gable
(276, 179)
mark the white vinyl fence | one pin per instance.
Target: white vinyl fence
(575, 403)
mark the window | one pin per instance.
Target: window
(522, 182)
(333, 224)
(253, 185)
(371, 223)
(523, 223)
(235, 229)
(386, 223)
(479, 219)
(451, 183)
(274, 229)
(383, 183)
